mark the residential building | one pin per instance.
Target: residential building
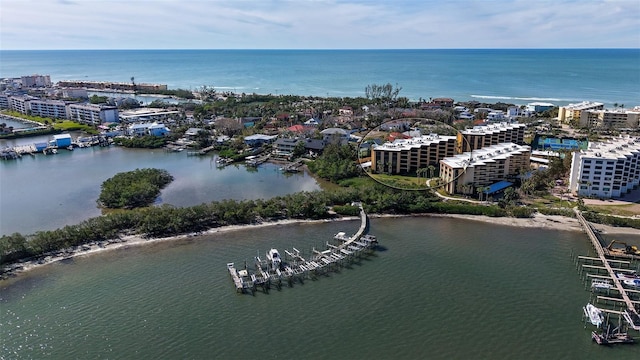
(106, 85)
(487, 135)
(4, 101)
(606, 169)
(335, 136)
(443, 102)
(31, 81)
(20, 103)
(464, 173)
(93, 114)
(259, 139)
(142, 129)
(54, 109)
(574, 111)
(74, 93)
(408, 155)
(610, 119)
(147, 114)
(538, 107)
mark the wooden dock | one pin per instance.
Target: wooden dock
(296, 268)
(605, 265)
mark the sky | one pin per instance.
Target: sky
(318, 24)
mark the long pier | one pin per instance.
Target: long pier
(630, 314)
(297, 267)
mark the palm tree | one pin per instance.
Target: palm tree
(432, 170)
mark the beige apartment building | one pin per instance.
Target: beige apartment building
(408, 155)
(610, 118)
(492, 134)
(463, 173)
(574, 111)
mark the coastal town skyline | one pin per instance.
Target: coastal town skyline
(322, 24)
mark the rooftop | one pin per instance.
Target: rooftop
(416, 142)
(485, 155)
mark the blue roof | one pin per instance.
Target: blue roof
(501, 185)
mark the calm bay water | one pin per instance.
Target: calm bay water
(517, 76)
(442, 288)
(47, 192)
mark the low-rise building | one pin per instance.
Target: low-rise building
(259, 139)
(147, 114)
(142, 129)
(574, 111)
(606, 169)
(335, 135)
(464, 173)
(538, 107)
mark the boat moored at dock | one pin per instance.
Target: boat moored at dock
(594, 314)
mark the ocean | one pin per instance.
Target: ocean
(514, 76)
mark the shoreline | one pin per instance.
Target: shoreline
(538, 221)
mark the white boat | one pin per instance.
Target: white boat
(629, 279)
(631, 282)
(274, 258)
(594, 314)
(601, 284)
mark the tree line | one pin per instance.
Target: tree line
(167, 220)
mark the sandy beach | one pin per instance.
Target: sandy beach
(552, 222)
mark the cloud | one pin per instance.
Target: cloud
(216, 24)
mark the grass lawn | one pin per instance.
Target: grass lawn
(401, 182)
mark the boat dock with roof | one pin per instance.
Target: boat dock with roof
(276, 270)
(615, 287)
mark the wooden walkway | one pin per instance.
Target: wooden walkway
(297, 268)
(630, 314)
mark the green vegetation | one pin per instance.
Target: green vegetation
(95, 99)
(68, 125)
(133, 189)
(181, 93)
(336, 163)
(147, 142)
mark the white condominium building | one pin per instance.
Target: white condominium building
(464, 172)
(408, 155)
(20, 103)
(93, 114)
(606, 169)
(54, 109)
(574, 111)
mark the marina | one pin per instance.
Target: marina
(619, 277)
(294, 267)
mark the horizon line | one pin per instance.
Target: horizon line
(324, 49)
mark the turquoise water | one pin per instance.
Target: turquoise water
(510, 75)
(442, 288)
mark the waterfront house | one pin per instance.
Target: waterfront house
(335, 136)
(259, 139)
(154, 129)
(192, 133)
